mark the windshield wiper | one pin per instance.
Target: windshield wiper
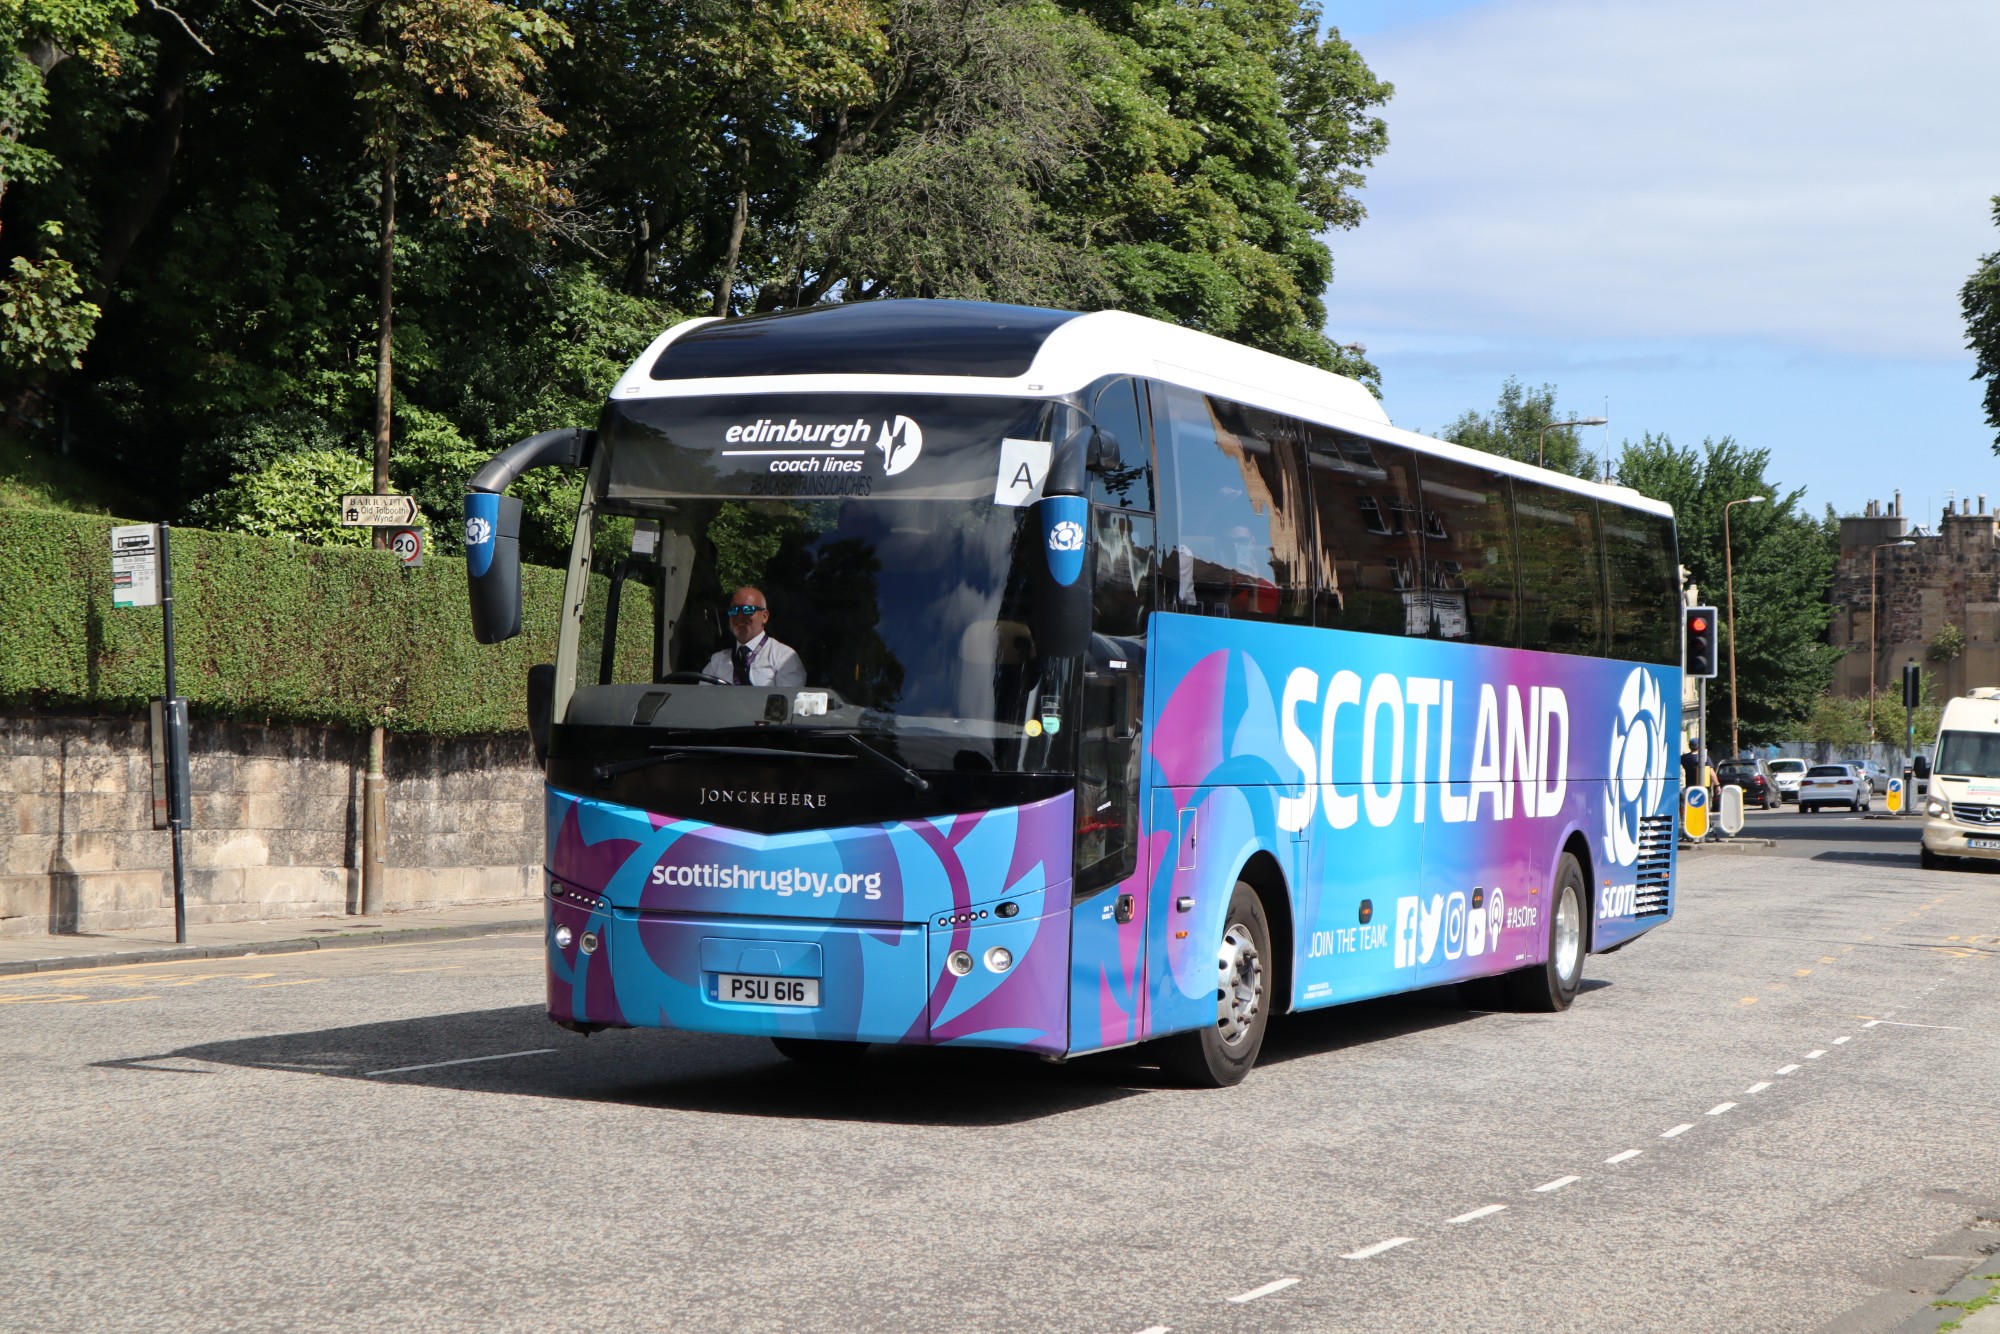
(668, 754)
(910, 776)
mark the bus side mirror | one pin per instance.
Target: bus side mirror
(541, 708)
(1062, 575)
(1103, 453)
(493, 565)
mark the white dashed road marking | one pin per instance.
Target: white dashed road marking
(463, 1060)
(1680, 1129)
(1837, 1041)
(1369, 1252)
(1275, 1285)
(1786, 1069)
(1720, 1108)
(1758, 1087)
(1624, 1157)
(1815, 1054)
(1477, 1214)
(1557, 1184)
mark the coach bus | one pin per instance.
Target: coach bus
(1120, 684)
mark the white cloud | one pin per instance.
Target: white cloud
(1814, 173)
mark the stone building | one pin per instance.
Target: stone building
(1921, 582)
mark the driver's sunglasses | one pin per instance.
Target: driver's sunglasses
(747, 609)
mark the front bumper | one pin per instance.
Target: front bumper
(877, 982)
(1948, 838)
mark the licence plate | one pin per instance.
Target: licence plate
(755, 989)
(1984, 844)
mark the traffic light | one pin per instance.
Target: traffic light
(1913, 688)
(1701, 641)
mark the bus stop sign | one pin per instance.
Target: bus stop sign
(1694, 812)
(1895, 797)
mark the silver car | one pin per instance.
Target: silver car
(1836, 785)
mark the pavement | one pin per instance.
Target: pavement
(290, 935)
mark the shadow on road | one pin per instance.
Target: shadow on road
(735, 1076)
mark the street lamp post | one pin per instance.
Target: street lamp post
(1542, 439)
(1729, 588)
(1873, 599)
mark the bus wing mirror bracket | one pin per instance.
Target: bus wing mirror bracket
(493, 527)
(1062, 576)
(541, 708)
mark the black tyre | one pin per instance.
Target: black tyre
(1551, 985)
(819, 1051)
(1220, 1054)
(1929, 860)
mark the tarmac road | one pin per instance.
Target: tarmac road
(1763, 1116)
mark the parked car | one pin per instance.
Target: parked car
(1786, 775)
(1878, 777)
(1836, 785)
(1759, 788)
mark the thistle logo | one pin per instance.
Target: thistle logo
(1638, 771)
(1066, 536)
(900, 443)
(477, 530)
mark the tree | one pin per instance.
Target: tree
(447, 87)
(1783, 562)
(1979, 299)
(1517, 429)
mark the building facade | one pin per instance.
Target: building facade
(1897, 587)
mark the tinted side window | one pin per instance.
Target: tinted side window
(1242, 526)
(1562, 580)
(1469, 552)
(1639, 555)
(1369, 554)
(1117, 408)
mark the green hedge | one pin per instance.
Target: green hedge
(271, 629)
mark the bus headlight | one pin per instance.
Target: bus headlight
(563, 937)
(1935, 808)
(999, 958)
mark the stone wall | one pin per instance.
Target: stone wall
(277, 824)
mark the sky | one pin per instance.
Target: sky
(1718, 217)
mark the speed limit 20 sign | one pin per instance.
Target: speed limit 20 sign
(408, 545)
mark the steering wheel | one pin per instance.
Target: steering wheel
(684, 677)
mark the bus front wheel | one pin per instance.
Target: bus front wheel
(1220, 1054)
(1552, 984)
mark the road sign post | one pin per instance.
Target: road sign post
(142, 575)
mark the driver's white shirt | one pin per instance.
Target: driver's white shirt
(771, 664)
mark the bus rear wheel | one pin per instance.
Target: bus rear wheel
(1551, 985)
(1220, 1054)
(819, 1051)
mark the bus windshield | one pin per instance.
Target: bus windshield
(887, 540)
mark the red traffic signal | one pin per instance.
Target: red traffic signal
(1701, 641)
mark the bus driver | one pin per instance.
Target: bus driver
(757, 659)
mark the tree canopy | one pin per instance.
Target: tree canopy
(1783, 561)
(1980, 300)
(1518, 428)
(194, 242)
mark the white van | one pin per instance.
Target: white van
(1962, 808)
